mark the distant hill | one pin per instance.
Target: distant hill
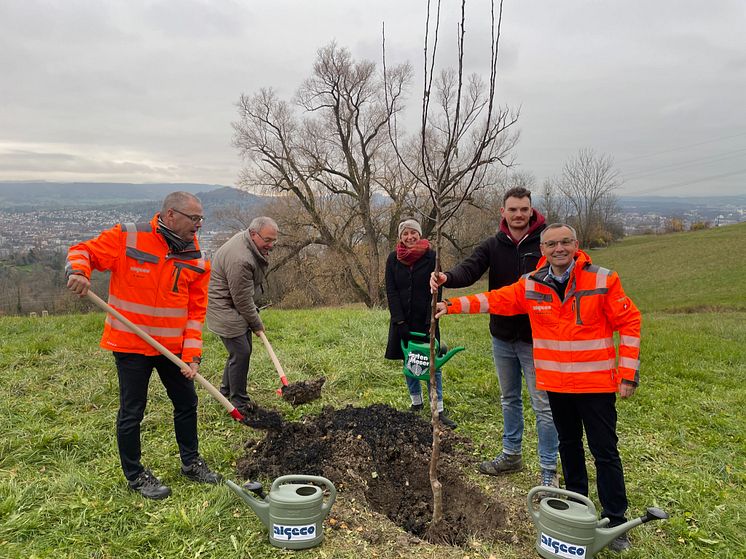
(142, 200)
(228, 196)
(77, 194)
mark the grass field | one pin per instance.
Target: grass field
(681, 436)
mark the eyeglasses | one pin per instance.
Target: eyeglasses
(194, 218)
(564, 242)
(265, 240)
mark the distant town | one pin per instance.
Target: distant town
(651, 215)
(40, 216)
(56, 230)
(47, 226)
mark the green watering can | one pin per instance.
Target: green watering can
(570, 529)
(293, 513)
(417, 355)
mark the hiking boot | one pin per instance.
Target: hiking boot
(549, 478)
(620, 543)
(149, 486)
(199, 472)
(447, 421)
(416, 408)
(503, 464)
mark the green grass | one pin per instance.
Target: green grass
(682, 272)
(682, 438)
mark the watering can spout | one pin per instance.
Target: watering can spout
(258, 504)
(440, 361)
(604, 536)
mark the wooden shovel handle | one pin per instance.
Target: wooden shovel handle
(214, 392)
(272, 356)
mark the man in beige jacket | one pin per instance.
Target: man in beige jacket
(238, 271)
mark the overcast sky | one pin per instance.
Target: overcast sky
(134, 91)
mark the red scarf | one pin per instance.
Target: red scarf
(408, 256)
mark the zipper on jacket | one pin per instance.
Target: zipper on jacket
(576, 308)
(522, 263)
(177, 273)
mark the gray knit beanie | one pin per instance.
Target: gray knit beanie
(411, 224)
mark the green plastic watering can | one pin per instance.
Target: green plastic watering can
(417, 355)
(570, 529)
(292, 512)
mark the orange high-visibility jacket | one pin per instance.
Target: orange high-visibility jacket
(573, 338)
(163, 293)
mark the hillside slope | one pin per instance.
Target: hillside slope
(682, 272)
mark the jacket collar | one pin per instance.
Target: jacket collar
(535, 222)
(582, 259)
(190, 250)
(253, 248)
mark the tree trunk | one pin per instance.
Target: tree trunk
(435, 484)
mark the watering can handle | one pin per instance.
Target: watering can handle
(557, 491)
(315, 479)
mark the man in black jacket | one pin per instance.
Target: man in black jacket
(509, 254)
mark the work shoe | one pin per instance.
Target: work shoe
(447, 421)
(620, 543)
(503, 464)
(149, 486)
(416, 408)
(199, 472)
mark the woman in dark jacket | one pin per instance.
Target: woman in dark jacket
(408, 270)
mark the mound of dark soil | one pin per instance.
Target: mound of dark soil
(381, 456)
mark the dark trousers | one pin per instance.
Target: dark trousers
(596, 413)
(236, 370)
(134, 372)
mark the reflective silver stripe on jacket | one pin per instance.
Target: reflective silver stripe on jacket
(629, 363)
(131, 230)
(484, 304)
(576, 366)
(601, 276)
(152, 330)
(631, 341)
(574, 345)
(194, 325)
(465, 304)
(139, 308)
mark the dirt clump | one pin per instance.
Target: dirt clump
(303, 391)
(380, 456)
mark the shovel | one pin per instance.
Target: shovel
(299, 392)
(275, 361)
(214, 392)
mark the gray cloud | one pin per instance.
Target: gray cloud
(148, 89)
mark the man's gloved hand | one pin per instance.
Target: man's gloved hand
(403, 330)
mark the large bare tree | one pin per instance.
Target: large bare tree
(588, 183)
(328, 150)
(463, 135)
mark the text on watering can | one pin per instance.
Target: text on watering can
(417, 362)
(297, 533)
(560, 548)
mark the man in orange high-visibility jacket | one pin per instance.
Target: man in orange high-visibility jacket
(159, 279)
(574, 308)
